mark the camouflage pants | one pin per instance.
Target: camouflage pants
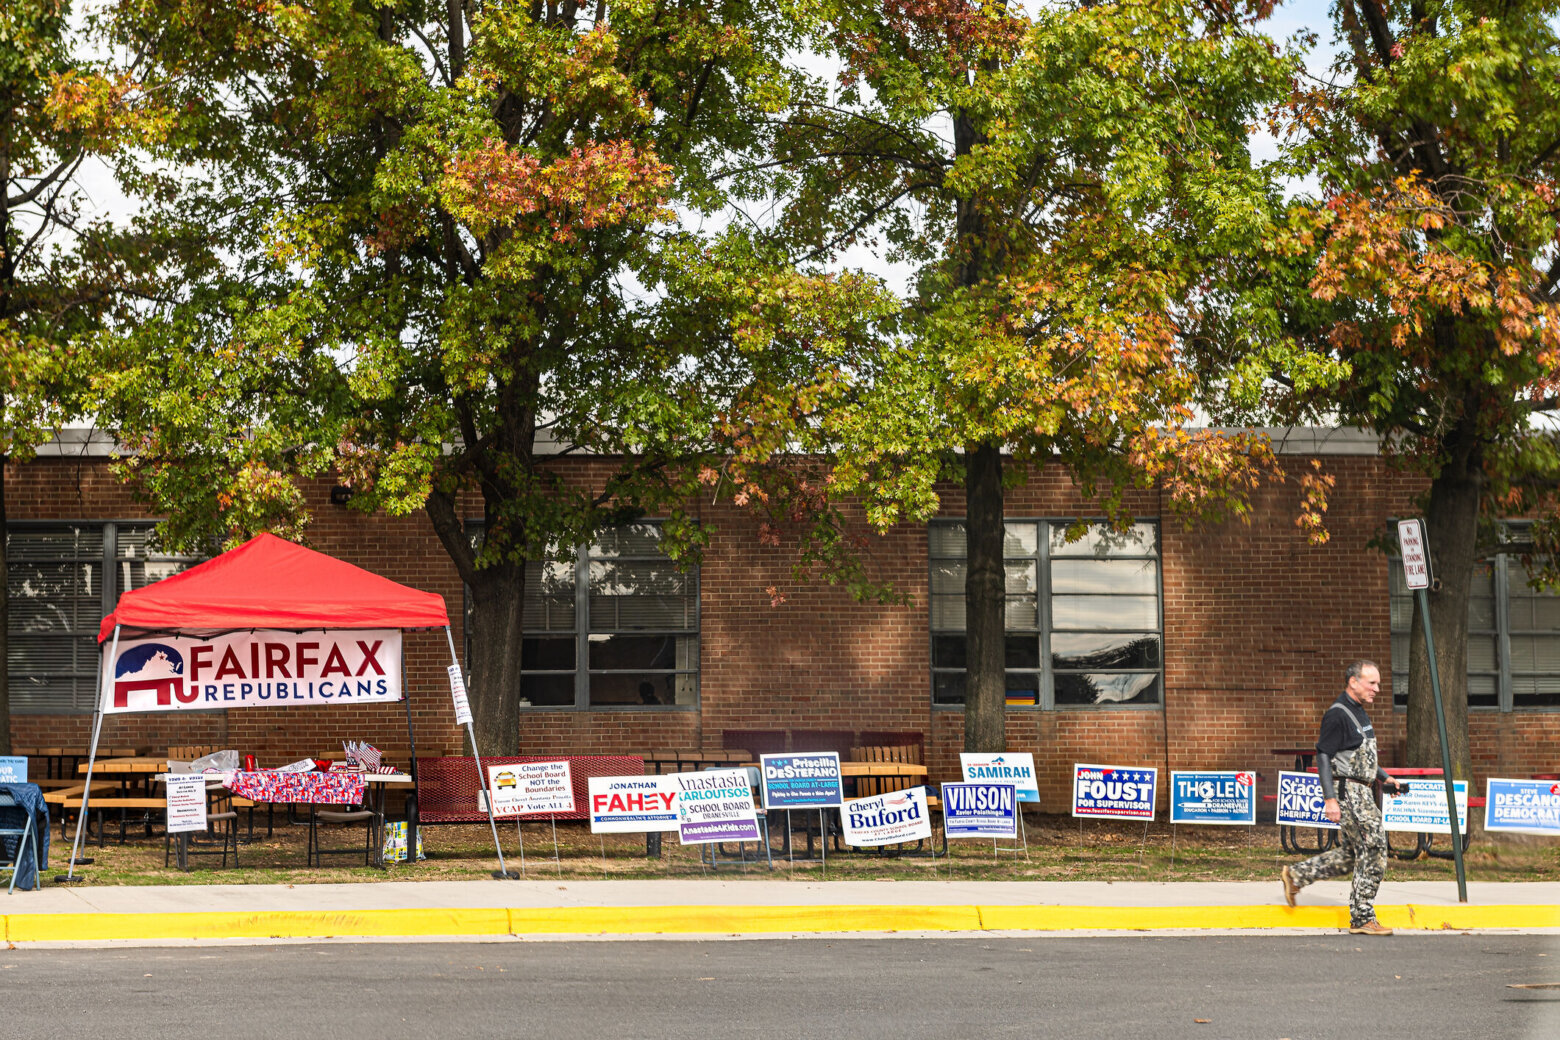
(1363, 849)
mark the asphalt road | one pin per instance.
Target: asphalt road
(1242, 988)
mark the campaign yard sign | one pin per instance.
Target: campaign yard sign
(13, 770)
(186, 801)
(808, 780)
(531, 788)
(1522, 806)
(886, 819)
(1422, 810)
(632, 804)
(987, 810)
(1227, 798)
(715, 805)
(1007, 767)
(1114, 792)
(1300, 801)
(261, 668)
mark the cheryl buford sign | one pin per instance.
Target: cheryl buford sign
(1008, 767)
(1524, 806)
(887, 819)
(531, 788)
(980, 810)
(245, 669)
(1422, 810)
(1114, 792)
(1217, 798)
(1300, 801)
(715, 805)
(802, 781)
(632, 804)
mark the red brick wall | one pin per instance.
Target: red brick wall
(1259, 626)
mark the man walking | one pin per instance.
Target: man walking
(1346, 757)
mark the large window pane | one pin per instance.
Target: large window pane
(1092, 650)
(1099, 594)
(1110, 612)
(56, 577)
(1101, 688)
(1115, 577)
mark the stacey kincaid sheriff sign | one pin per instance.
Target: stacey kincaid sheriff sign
(244, 669)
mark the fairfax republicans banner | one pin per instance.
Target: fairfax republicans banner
(1522, 806)
(1300, 801)
(1114, 792)
(1008, 767)
(1226, 798)
(252, 669)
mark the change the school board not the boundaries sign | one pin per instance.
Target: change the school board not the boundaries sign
(531, 788)
(1114, 792)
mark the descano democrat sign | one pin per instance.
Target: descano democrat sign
(252, 669)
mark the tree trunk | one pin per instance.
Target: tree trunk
(498, 601)
(5, 617)
(1451, 523)
(985, 600)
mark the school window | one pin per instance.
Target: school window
(64, 578)
(1083, 618)
(1513, 638)
(615, 628)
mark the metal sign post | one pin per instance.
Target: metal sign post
(1415, 550)
(463, 718)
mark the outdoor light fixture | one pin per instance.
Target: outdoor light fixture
(340, 495)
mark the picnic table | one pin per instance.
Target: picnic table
(693, 760)
(60, 761)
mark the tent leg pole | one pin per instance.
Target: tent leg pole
(97, 729)
(416, 801)
(476, 756)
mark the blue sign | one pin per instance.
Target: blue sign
(1523, 806)
(1114, 792)
(802, 781)
(1300, 801)
(1007, 767)
(980, 810)
(13, 770)
(1228, 798)
(1421, 807)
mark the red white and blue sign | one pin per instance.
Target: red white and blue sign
(886, 819)
(252, 669)
(1114, 792)
(980, 810)
(1300, 801)
(1007, 767)
(1522, 806)
(632, 804)
(802, 781)
(1220, 798)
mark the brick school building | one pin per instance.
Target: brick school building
(1169, 646)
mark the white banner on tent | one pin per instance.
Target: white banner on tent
(260, 668)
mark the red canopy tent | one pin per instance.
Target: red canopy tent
(271, 583)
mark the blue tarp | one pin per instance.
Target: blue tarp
(29, 800)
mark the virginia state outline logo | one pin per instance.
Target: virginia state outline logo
(151, 668)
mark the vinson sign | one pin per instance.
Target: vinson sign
(248, 669)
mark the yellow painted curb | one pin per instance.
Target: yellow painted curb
(743, 920)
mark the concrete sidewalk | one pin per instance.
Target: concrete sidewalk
(538, 909)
